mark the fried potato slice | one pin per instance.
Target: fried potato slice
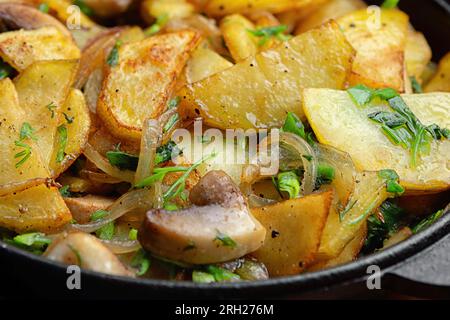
(349, 254)
(24, 47)
(417, 54)
(338, 122)
(259, 91)
(66, 13)
(39, 209)
(204, 63)
(141, 83)
(235, 30)
(294, 228)
(330, 10)
(380, 47)
(77, 122)
(14, 178)
(42, 89)
(225, 7)
(441, 80)
(368, 195)
(152, 9)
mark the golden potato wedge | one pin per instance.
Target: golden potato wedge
(294, 228)
(39, 209)
(338, 122)
(349, 254)
(22, 48)
(380, 47)
(441, 80)
(140, 85)
(332, 9)
(259, 91)
(42, 89)
(417, 54)
(235, 30)
(77, 122)
(226, 7)
(204, 63)
(14, 177)
(368, 195)
(152, 9)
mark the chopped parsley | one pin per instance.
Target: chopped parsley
(160, 22)
(62, 141)
(141, 261)
(417, 88)
(392, 178)
(107, 231)
(225, 240)
(43, 7)
(84, 7)
(65, 192)
(288, 182)
(390, 4)
(113, 57)
(268, 33)
(382, 225)
(122, 160)
(425, 223)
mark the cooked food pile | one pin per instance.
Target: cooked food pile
(95, 93)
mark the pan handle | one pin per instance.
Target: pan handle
(426, 274)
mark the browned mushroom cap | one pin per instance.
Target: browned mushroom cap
(222, 229)
(19, 16)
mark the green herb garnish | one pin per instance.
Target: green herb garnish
(173, 103)
(5, 70)
(84, 7)
(158, 175)
(65, 192)
(425, 223)
(122, 160)
(382, 225)
(268, 33)
(417, 88)
(288, 182)
(43, 7)
(132, 234)
(392, 178)
(202, 277)
(160, 22)
(390, 4)
(107, 231)
(221, 274)
(113, 57)
(141, 261)
(51, 107)
(225, 240)
(171, 122)
(166, 152)
(325, 174)
(26, 132)
(62, 141)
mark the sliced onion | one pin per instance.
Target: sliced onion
(151, 136)
(345, 172)
(103, 164)
(133, 200)
(122, 246)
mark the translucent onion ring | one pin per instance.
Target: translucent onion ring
(122, 246)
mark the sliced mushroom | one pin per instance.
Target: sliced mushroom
(86, 251)
(18, 16)
(83, 208)
(217, 228)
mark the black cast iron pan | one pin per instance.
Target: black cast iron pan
(419, 266)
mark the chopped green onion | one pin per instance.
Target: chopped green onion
(141, 261)
(221, 274)
(132, 234)
(390, 4)
(425, 223)
(63, 139)
(65, 192)
(122, 160)
(84, 7)
(267, 33)
(225, 240)
(294, 125)
(43, 7)
(202, 277)
(161, 21)
(113, 57)
(417, 88)
(288, 182)
(107, 231)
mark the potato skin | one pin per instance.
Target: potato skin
(140, 86)
(441, 80)
(259, 91)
